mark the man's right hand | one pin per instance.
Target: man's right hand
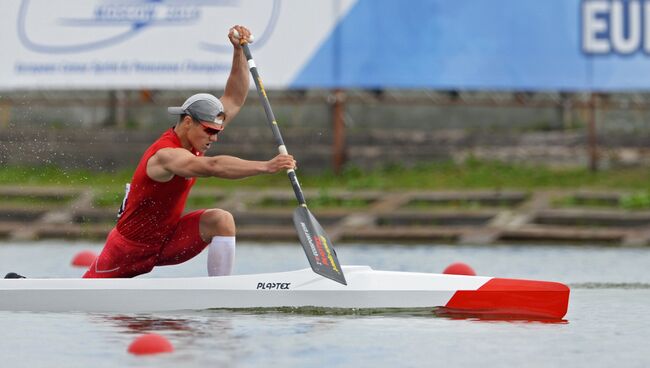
(243, 35)
(280, 162)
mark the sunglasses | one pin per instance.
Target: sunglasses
(210, 131)
(206, 128)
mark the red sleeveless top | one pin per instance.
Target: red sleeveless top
(152, 209)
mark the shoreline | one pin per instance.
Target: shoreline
(474, 217)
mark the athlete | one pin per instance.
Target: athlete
(151, 230)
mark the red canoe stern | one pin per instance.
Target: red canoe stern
(512, 297)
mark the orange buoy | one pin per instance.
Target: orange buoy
(150, 344)
(459, 268)
(84, 258)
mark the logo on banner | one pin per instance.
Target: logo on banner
(615, 26)
(64, 26)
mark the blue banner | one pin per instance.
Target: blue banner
(569, 45)
(541, 45)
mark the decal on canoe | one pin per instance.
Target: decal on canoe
(273, 285)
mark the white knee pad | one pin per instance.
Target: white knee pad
(221, 256)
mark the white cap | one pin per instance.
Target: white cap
(201, 106)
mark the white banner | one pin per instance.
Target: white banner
(119, 44)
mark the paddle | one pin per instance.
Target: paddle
(316, 244)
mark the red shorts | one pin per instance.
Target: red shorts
(122, 257)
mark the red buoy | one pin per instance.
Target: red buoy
(459, 268)
(84, 258)
(150, 344)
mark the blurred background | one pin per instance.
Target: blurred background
(487, 95)
(426, 132)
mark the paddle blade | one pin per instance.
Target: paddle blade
(317, 246)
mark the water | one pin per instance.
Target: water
(607, 323)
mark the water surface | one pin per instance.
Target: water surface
(607, 323)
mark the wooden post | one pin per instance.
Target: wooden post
(591, 132)
(116, 109)
(338, 129)
(5, 114)
(565, 111)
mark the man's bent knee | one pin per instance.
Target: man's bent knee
(216, 222)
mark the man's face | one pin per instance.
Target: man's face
(202, 134)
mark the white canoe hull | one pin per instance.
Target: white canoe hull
(366, 288)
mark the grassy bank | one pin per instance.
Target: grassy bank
(472, 174)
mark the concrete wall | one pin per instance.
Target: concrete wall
(107, 149)
(76, 130)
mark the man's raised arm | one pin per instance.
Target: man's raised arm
(238, 82)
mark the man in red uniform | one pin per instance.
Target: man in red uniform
(151, 230)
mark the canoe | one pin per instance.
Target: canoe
(367, 288)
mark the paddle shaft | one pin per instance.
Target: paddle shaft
(316, 244)
(272, 123)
